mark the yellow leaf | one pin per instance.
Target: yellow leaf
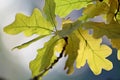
(59, 45)
(93, 52)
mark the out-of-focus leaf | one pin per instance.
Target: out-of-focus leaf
(101, 29)
(116, 44)
(35, 24)
(29, 42)
(112, 10)
(68, 28)
(92, 51)
(64, 7)
(44, 57)
(93, 10)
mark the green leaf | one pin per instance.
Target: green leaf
(35, 24)
(101, 29)
(68, 28)
(29, 42)
(64, 7)
(72, 52)
(92, 51)
(44, 57)
(49, 10)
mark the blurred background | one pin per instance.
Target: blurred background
(14, 65)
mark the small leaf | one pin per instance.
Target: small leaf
(49, 10)
(101, 29)
(112, 10)
(72, 52)
(44, 58)
(93, 10)
(59, 46)
(35, 24)
(92, 51)
(29, 42)
(68, 28)
(116, 44)
(64, 7)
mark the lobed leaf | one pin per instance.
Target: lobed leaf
(100, 29)
(44, 57)
(93, 10)
(115, 44)
(72, 52)
(64, 7)
(92, 51)
(35, 24)
(112, 10)
(49, 10)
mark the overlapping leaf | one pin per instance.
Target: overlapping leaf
(72, 51)
(112, 10)
(116, 44)
(49, 10)
(44, 57)
(93, 10)
(64, 7)
(92, 51)
(35, 24)
(101, 29)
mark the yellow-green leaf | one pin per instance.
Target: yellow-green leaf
(49, 10)
(44, 57)
(64, 7)
(101, 29)
(29, 42)
(93, 10)
(72, 52)
(68, 28)
(93, 52)
(116, 44)
(112, 10)
(34, 24)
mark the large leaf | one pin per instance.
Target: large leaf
(72, 51)
(92, 51)
(44, 57)
(49, 10)
(101, 29)
(64, 7)
(35, 24)
(116, 44)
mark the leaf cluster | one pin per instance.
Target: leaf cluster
(73, 40)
